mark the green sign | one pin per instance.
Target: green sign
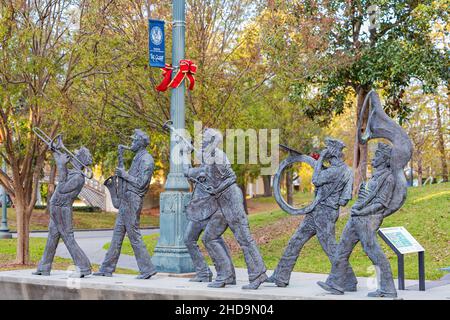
(402, 240)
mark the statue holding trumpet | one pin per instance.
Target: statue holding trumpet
(70, 183)
(128, 189)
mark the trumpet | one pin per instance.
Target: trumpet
(56, 145)
(168, 126)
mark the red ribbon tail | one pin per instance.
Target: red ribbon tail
(167, 73)
(191, 79)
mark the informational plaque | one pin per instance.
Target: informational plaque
(401, 239)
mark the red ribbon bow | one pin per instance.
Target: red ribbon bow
(187, 70)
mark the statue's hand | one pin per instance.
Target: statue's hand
(324, 153)
(120, 172)
(356, 212)
(62, 158)
(210, 190)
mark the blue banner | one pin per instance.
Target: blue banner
(156, 43)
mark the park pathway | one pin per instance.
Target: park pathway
(92, 243)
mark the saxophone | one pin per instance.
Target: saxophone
(117, 186)
(380, 125)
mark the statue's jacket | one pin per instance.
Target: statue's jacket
(215, 174)
(68, 189)
(333, 186)
(379, 189)
(140, 173)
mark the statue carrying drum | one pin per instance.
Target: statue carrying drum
(220, 207)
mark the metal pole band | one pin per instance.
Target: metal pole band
(179, 23)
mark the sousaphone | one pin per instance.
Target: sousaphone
(380, 125)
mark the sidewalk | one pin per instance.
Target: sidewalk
(92, 243)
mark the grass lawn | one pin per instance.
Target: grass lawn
(81, 220)
(37, 245)
(426, 215)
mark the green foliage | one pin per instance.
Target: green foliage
(332, 51)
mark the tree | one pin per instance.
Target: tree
(425, 127)
(335, 48)
(47, 47)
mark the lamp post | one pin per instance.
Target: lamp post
(171, 255)
(4, 230)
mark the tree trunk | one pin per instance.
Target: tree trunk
(419, 170)
(23, 233)
(244, 195)
(267, 187)
(359, 150)
(441, 145)
(289, 187)
(51, 187)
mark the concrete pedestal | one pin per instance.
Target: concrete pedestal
(21, 284)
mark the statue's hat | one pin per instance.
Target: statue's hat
(334, 143)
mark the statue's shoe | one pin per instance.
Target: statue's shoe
(329, 288)
(350, 288)
(273, 279)
(102, 274)
(198, 278)
(222, 283)
(41, 273)
(80, 274)
(255, 283)
(381, 294)
(144, 276)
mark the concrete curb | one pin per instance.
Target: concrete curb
(86, 230)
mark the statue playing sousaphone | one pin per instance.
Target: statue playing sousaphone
(333, 189)
(382, 195)
(128, 189)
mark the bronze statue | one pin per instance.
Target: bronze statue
(382, 195)
(333, 189)
(70, 183)
(222, 207)
(127, 192)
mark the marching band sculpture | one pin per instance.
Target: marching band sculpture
(127, 192)
(217, 203)
(333, 189)
(70, 183)
(221, 207)
(380, 197)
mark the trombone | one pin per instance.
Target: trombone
(56, 145)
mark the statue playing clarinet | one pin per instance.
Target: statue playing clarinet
(127, 192)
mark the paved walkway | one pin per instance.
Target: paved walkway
(92, 243)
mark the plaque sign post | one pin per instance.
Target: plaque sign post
(402, 242)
